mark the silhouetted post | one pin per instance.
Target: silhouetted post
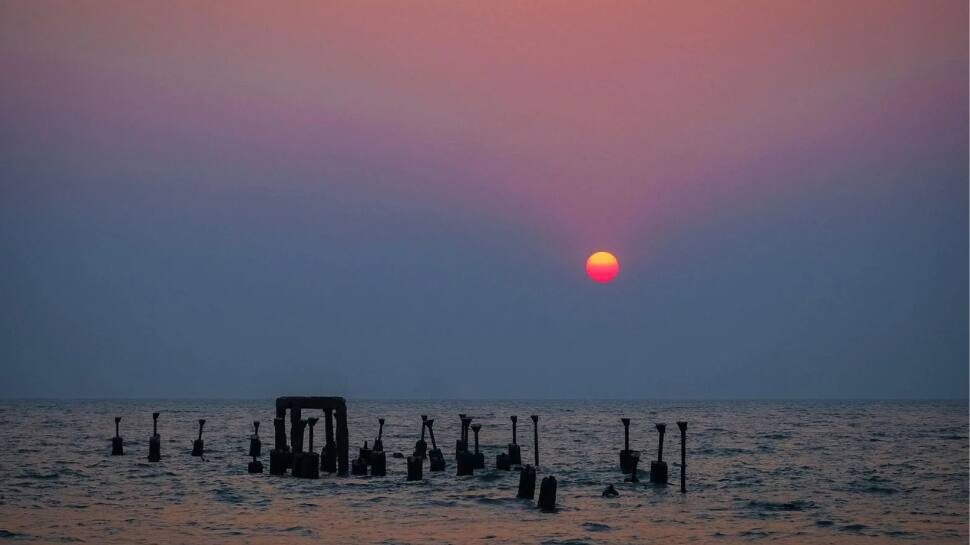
(626, 455)
(310, 459)
(435, 457)
(328, 458)
(634, 461)
(359, 465)
(658, 468)
(527, 483)
(117, 443)
(296, 429)
(466, 460)
(255, 450)
(683, 456)
(547, 494)
(154, 442)
(515, 453)
(461, 445)
(298, 455)
(535, 433)
(279, 457)
(379, 443)
(415, 468)
(198, 445)
(479, 457)
(364, 453)
(421, 447)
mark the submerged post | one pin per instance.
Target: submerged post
(310, 460)
(479, 458)
(436, 458)
(198, 445)
(527, 483)
(461, 445)
(379, 442)
(658, 468)
(359, 465)
(626, 455)
(535, 432)
(255, 450)
(154, 442)
(298, 454)
(421, 447)
(635, 460)
(683, 456)
(279, 457)
(515, 454)
(547, 494)
(117, 443)
(378, 459)
(328, 456)
(415, 468)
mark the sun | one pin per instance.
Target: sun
(602, 267)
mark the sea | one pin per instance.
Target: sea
(757, 471)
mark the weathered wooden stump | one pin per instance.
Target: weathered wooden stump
(117, 443)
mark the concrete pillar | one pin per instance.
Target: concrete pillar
(527, 483)
(547, 494)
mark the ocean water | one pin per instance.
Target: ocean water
(789, 472)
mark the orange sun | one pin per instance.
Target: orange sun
(602, 267)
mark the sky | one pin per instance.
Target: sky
(397, 199)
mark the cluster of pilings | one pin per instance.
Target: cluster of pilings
(334, 455)
(334, 458)
(629, 459)
(154, 441)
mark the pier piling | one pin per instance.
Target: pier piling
(658, 468)
(436, 458)
(255, 450)
(527, 483)
(479, 458)
(117, 443)
(683, 456)
(198, 446)
(547, 494)
(155, 442)
(279, 457)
